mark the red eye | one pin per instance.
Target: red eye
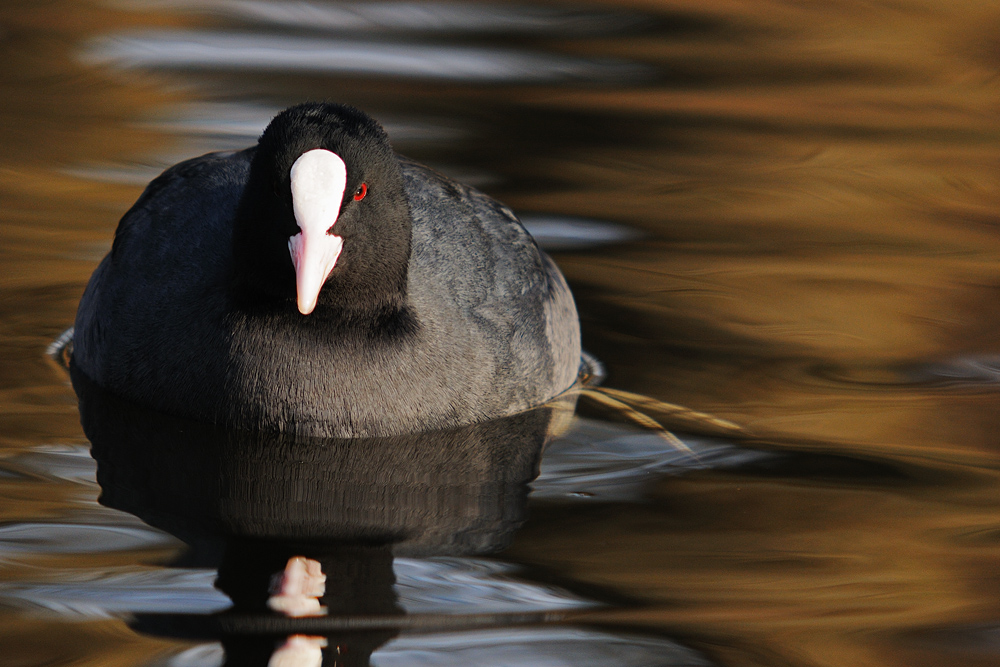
(360, 193)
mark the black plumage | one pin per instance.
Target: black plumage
(440, 311)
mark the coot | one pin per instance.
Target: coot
(320, 284)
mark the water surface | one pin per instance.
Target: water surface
(779, 213)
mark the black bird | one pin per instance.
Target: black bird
(320, 284)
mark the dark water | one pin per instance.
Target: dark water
(780, 213)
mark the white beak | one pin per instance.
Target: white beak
(318, 180)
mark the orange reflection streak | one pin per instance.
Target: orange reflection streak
(820, 186)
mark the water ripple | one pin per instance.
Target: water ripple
(606, 462)
(424, 586)
(103, 594)
(70, 463)
(424, 17)
(961, 371)
(238, 125)
(203, 655)
(536, 647)
(470, 586)
(269, 52)
(73, 538)
(560, 232)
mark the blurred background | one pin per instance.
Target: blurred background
(781, 213)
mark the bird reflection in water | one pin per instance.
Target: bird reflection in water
(299, 651)
(303, 531)
(296, 592)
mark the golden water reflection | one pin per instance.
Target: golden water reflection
(818, 186)
(805, 570)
